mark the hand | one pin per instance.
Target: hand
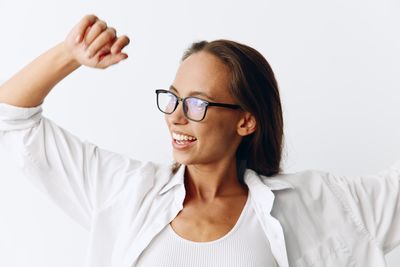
(92, 43)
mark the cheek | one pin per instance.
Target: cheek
(217, 136)
(167, 119)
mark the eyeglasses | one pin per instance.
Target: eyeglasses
(194, 108)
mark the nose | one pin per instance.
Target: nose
(177, 117)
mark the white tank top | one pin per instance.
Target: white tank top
(244, 245)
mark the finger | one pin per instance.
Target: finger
(103, 39)
(104, 51)
(86, 21)
(86, 32)
(111, 59)
(119, 44)
(98, 27)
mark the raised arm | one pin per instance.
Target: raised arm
(80, 177)
(90, 43)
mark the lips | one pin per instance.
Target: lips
(182, 141)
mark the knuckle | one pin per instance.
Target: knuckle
(113, 30)
(102, 24)
(110, 33)
(124, 40)
(89, 52)
(98, 27)
(89, 17)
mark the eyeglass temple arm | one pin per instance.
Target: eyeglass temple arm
(232, 106)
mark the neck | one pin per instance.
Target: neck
(207, 182)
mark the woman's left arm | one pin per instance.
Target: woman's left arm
(375, 202)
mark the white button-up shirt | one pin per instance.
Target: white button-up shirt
(311, 218)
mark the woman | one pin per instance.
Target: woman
(225, 202)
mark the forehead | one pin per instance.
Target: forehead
(203, 72)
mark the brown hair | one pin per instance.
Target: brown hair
(254, 86)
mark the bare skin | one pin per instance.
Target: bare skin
(214, 197)
(90, 43)
(200, 221)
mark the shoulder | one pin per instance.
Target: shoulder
(309, 181)
(313, 199)
(311, 189)
(144, 180)
(154, 171)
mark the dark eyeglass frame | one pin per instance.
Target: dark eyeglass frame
(207, 104)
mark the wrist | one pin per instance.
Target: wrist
(67, 57)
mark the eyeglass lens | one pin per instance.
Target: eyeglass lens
(166, 102)
(194, 108)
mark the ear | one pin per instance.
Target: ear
(247, 124)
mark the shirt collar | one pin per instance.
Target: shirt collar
(176, 179)
(273, 183)
(261, 189)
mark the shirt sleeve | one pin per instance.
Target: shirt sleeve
(77, 175)
(374, 203)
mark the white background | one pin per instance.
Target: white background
(337, 64)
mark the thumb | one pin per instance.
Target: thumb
(111, 59)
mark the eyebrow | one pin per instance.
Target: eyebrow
(171, 87)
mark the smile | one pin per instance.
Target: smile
(182, 141)
(183, 137)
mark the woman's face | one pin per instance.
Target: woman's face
(216, 136)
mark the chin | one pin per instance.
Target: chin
(182, 159)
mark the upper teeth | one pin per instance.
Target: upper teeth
(182, 137)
